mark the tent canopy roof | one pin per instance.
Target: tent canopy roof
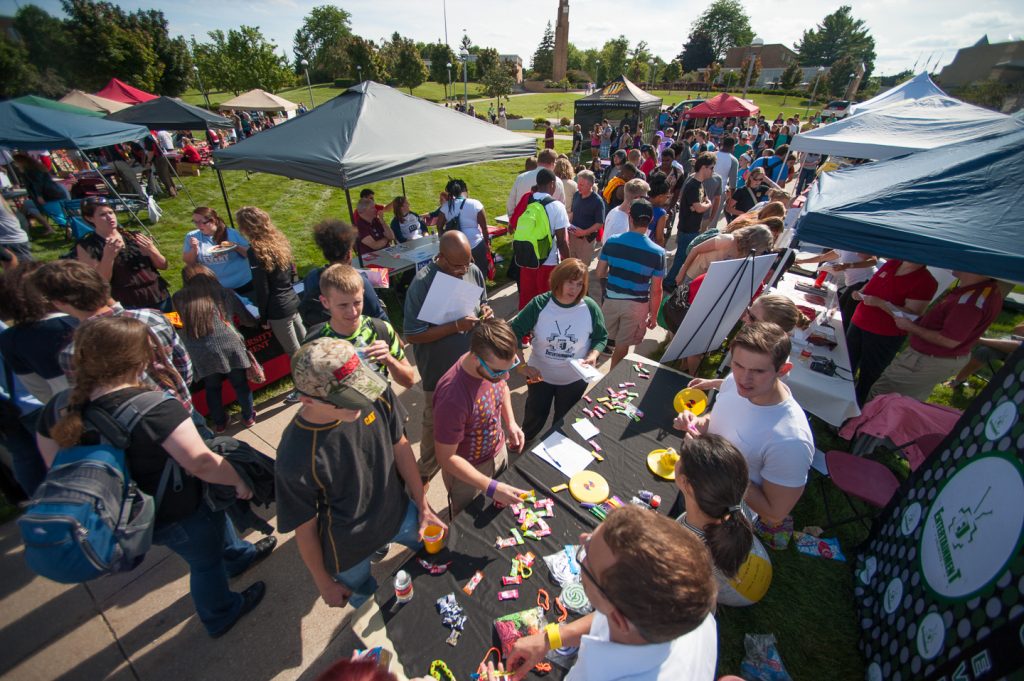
(723, 106)
(120, 91)
(57, 106)
(258, 100)
(619, 92)
(96, 103)
(904, 127)
(170, 113)
(917, 87)
(372, 133)
(944, 207)
(34, 128)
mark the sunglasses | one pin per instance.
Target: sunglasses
(496, 374)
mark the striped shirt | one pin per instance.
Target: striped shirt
(366, 334)
(633, 261)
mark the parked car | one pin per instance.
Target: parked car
(840, 108)
(676, 109)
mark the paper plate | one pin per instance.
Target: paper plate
(223, 249)
(693, 400)
(656, 462)
(589, 487)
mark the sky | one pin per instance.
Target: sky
(904, 32)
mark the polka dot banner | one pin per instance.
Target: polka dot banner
(939, 582)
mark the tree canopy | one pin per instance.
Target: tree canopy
(407, 67)
(726, 24)
(838, 35)
(321, 41)
(241, 60)
(544, 57)
(698, 51)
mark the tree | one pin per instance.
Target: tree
(637, 70)
(17, 75)
(713, 72)
(698, 52)
(839, 75)
(731, 78)
(838, 35)
(544, 57)
(440, 56)
(241, 60)
(320, 41)
(671, 74)
(726, 23)
(791, 77)
(755, 73)
(486, 59)
(614, 57)
(366, 60)
(45, 41)
(171, 53)
(499, 81)
(408, 68)
(102, 42)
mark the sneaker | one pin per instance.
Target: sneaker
(250, 422)
(251, 597)
(293, 397)
(775, 537)
(380, 554)
(264, 547)
(219, 428)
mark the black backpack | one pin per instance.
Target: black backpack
(454, 224)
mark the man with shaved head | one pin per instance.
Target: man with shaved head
(439, 346)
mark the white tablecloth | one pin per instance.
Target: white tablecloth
(410, 254)
(830, 398)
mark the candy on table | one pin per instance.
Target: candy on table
(589, 413)
(515, 567)
(527, 559)
(649, 498)
(517, 536)
(517, 508)
(506, 580)
(602, 510)
(530, 534)
(588, 400)
(472, 584)
(508, 595)
(559, 488)
(434, 568)
(505, 542)
(452, 615)
(593, 443)
(597, 456)
(530, 496)
(603, 399)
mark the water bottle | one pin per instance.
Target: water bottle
(359, 344)
(403, 587)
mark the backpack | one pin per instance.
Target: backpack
(454, 224)
(675, 307)
(513, 220)
(532, 241)
(88, 518)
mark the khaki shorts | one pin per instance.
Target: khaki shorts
(626, 320)
(461, 494)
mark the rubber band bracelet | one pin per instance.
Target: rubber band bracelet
(491, 488)
(554, 638)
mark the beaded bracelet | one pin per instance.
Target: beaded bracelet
(439, 670)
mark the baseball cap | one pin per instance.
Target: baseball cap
(329, 369)
(744, 134)
(641, 211)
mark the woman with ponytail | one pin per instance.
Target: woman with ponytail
(203, 538)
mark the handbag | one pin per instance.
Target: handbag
(254, 373)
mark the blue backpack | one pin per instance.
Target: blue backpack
(88, 518)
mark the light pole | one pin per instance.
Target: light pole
(448, 92)
(464, 53)
(756, 42)
(199, 78)
(814, 90)
(653, 71)
(359, 72)
(598, 61)
(309, 87)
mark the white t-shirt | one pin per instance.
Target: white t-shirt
(523, 184)
(467, 210)
(854, 276)
(691, 657)
(616, 222)
(727, 166)
(558, 218)
(165, 140)
(775, 440)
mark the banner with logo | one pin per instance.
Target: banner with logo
(939, 583)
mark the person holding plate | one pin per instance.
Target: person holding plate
(221, 248)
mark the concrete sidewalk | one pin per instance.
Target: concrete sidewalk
(141, 626)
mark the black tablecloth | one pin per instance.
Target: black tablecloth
(416, 630)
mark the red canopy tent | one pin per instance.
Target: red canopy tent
(723, 106)
(120, 91)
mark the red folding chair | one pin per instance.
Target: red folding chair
(858, 478)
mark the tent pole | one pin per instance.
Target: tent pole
(113, 191)
(403, 186)
(224, 193)
(174, 171)
(348, 200)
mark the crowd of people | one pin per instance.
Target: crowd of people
(348, 482)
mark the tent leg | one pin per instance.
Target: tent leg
(403, 187)
(348, 200)
(125, 203)
(183, 186)
(224, 193)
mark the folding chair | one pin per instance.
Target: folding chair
(859, 478)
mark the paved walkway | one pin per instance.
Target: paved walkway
(141, 626)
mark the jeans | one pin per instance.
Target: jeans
(200, 424)
(215, 401)
(807, 176)
(289, 333)
(201, 540)
(683, 240)
(28, 466)
(539, 397)
(872, 353)
(360, 579)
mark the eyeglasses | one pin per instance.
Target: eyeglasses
(581, 558)
(749, 316)
(496, 374)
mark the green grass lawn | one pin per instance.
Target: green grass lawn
(324, 91)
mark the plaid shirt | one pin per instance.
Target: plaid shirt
(169, 341)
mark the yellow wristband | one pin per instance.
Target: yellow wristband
(554, 638)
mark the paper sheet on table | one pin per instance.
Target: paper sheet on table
(564, 454)
(588, 373)
(449, 299)
(586, 429)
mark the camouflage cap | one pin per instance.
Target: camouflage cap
(329, 369)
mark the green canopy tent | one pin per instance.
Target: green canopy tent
(35, 100)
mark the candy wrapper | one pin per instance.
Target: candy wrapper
(819, 546)
(762, 661)
(511, 628)
(563, 566)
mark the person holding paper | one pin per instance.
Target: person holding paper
(438, 346)
(565, 324)
(470, 442)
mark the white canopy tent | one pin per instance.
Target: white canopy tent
(258, 100)
(93, 102)
(918, 87)
(904, 128)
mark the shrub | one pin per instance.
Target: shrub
(540, 122)
(344, 82)
(564, 121)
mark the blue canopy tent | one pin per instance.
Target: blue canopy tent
(957, 207)
(34, 128)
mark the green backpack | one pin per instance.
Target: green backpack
(532, 241)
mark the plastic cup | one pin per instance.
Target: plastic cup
(433, 539)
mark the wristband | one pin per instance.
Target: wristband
(554, 638)
(491, 487)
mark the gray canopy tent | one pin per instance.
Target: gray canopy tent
(372, 133)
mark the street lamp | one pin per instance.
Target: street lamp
(464, 53)
(448, 92)
(598, 61)
(195, 69)
(305, 67)
(652, 71)
(359, 72)
(814, 90)
(756, 42)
